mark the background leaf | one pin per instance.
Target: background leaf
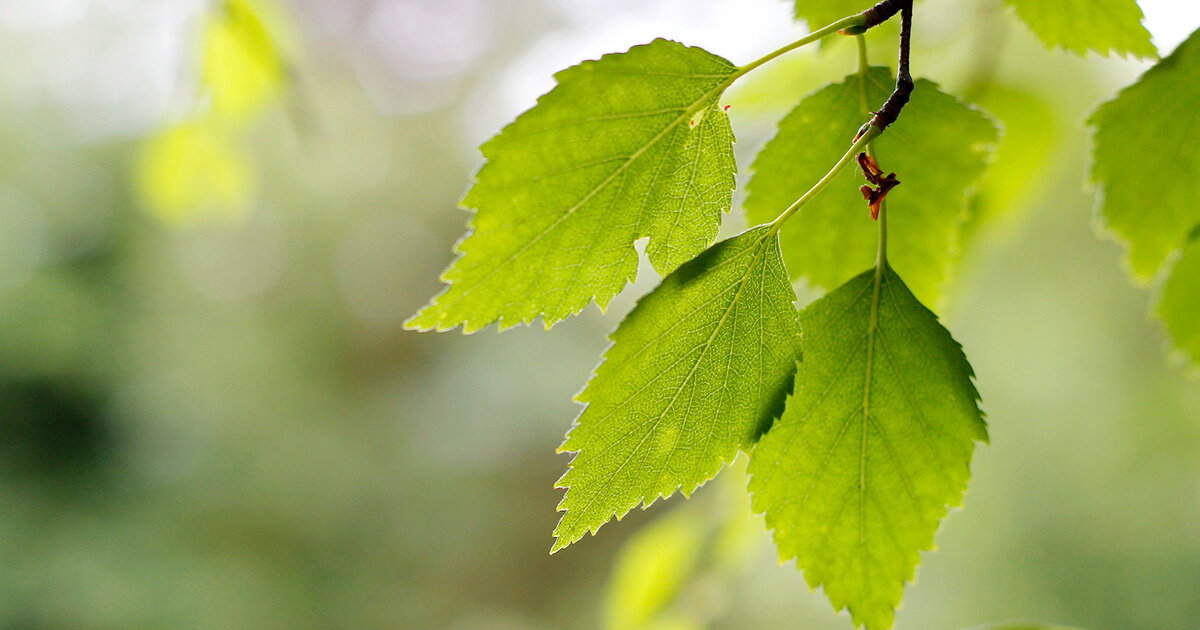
(651, 569)
(1105, 26)
(194, 173)
(1000, 202)
(1146, 159)
(629, 146)
(873, 447)
(938, 149)
(1178, 300)
(245, 58)
(667, 571)
(698, 369)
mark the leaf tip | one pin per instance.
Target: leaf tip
(421, 321)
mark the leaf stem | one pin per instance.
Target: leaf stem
(851, 22)
(859, 145)
(886, 115)
(854, 24)
(863, 66)
(881, 255)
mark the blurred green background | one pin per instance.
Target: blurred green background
(215, 217)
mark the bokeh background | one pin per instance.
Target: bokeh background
(215, 217)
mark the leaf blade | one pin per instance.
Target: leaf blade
(695, 372)
(629, 146)
(878, 368)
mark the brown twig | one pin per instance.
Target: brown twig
(904, 83)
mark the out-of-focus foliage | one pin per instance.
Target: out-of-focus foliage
(1104, 26)
(818, 13)
(1147, 162)
(1018, 165)
(1178, 300)
(244, 58)
(671, 572)
(1145, 158)
(194, 171)
(652, 568)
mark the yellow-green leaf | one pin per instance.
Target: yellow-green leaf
(194, 173)
(244, 66)
(1147, 161)
(1105, 26)
(633, 145)
(1179, 301)
(651, 568)
(697, 370)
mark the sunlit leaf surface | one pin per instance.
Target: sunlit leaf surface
(633, 145)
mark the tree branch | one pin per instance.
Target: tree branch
(881, 12)
(904, 83)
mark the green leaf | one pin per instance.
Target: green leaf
(698, 369)
(1178, 300)
(818, 13)
(1146, 159)
(873, 447)
(938, 150)
(632, 145)
(1105, 26)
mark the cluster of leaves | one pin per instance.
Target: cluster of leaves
(858, 412)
